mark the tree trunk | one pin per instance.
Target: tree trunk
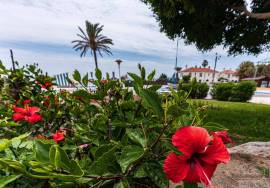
(95, 56)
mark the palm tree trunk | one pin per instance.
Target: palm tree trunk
(95, 56)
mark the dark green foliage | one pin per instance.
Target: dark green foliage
(186, 78)
(163, 78)
(210, 23)
(222, 91)
(195, 89)
(241, 92)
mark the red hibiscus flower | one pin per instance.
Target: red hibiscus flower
(201, 154)
(224, 136)
(46, 85)
(29, 114)
(26, 102)
(59, 136)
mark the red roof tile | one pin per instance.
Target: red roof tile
(228, 72)
(192, 69)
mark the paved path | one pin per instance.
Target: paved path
(261, 96)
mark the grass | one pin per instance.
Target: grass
(244, 121)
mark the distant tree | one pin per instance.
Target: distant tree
(210, 23)
(93, 40)
(186, 78)
(163, 78)
(205, 63)
(266, 70)
(246, 69)
(260, 69)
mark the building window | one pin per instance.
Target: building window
(200, 74)
(229, 75)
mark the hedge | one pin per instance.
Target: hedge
(237, 92)
(195, 89)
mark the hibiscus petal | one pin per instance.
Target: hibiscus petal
(190, 140)
(19, 110)
(200, 172)
(34, 118)
(33, 110)
(216, 153)
(18, 117)
(176, 167)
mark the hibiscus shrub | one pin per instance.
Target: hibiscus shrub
(112, 137)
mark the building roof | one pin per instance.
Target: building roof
(228, 72)
(257, 78)
(194, 69)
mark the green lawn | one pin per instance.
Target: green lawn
(245, 121)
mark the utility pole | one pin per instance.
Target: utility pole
(176, 68)
(12, 60)
(216, 59)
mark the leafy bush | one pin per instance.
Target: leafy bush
(222, 91)
(109, 138)
(238, 92)
(243, 91)
(195, 89)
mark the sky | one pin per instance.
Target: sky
(41, 31)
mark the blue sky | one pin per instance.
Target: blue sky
(42, 30)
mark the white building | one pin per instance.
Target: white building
(208, 75)
(201, 74)
(228, 76)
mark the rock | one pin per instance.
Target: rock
(249, 167)
(258, 149)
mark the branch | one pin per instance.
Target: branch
(258, 16)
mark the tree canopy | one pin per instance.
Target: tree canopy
(210, 23)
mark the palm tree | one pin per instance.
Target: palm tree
(92, 40)
(205, 63)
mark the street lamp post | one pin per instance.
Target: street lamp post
(214, 74)
(119, 61)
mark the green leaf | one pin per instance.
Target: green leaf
(76, 168)
(85, 80)
(122, 184)
(41, 150)
(100, 166)
(143, 73)
(98, 74)
(77, 76)
(4, 180)
(137, 80)
(190, 185)
(15, 165)
(151, 99)
(137, 136)
(151, 75)
(129, 155)
(4, 144)
(154, 171)
(83, 94)
(59, 158)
